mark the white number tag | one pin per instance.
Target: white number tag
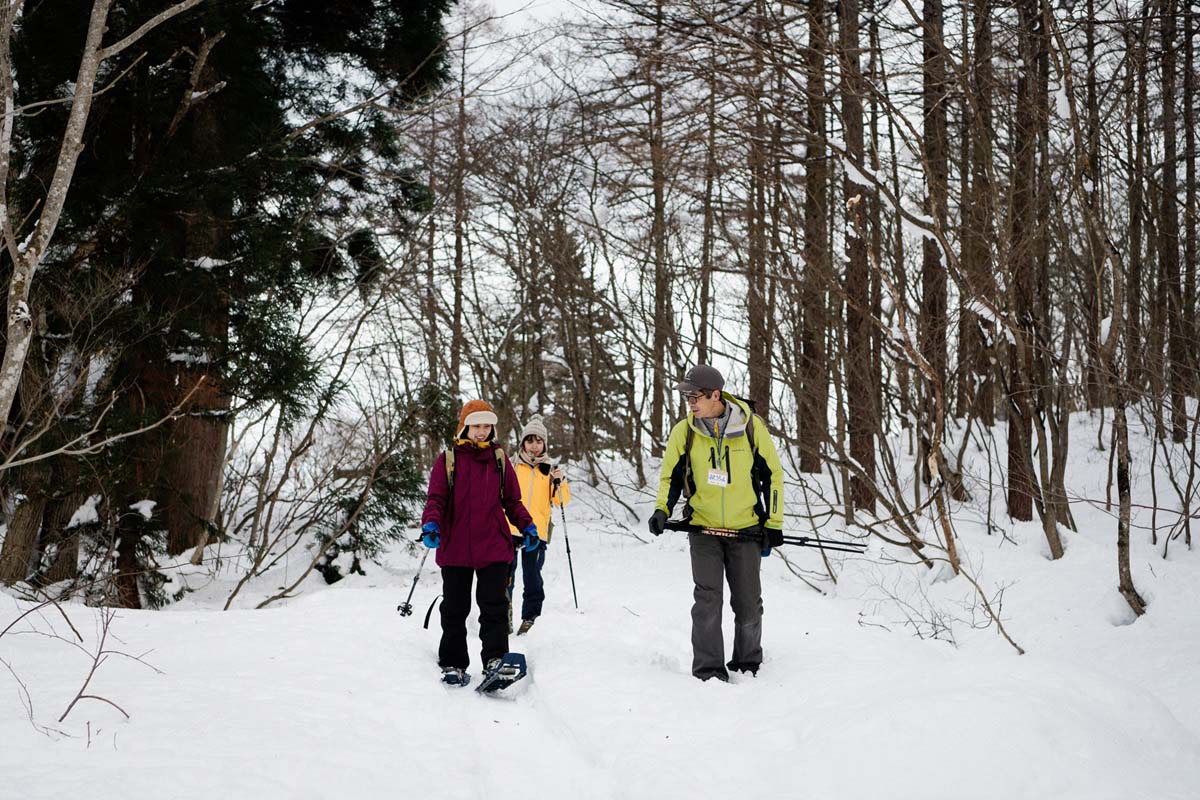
(718, 477)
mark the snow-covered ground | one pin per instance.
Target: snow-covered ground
(333, 694)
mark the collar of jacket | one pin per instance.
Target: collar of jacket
(739, 418)
(472, 444)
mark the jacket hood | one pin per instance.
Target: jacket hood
(739, 418)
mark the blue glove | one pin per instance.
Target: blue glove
(766, 552)
(431, 535)
(531, 538)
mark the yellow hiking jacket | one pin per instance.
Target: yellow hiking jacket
(536, 488)
(723, 506)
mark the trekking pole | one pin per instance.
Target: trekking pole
(754, 534)
(405, 608)
(567, 539)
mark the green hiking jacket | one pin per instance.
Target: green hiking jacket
(715, 506)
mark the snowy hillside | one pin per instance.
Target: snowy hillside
(333, 694)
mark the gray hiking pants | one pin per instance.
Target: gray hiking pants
(714, 560)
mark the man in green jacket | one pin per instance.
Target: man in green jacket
(722, 460)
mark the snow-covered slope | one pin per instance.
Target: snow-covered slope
(333, 694)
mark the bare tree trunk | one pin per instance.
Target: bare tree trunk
(860, 426)
(21, 538)
(460, 215)
(933, 273)
(56, 536)
(706, 241)
(756, 215)
(813, 404)
(194, 455)
(1133, 288)
(976, 334)
(658, 238)
(1022, 267)
(1169, 233)
(1046, 412)
(1094, 274)
(1125, 576)
(1191, 333)
(876, 77)
(431, 298)
(1118, 391)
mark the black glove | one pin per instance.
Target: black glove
(772, 537)
(658, 522)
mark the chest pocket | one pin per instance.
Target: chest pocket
(733, 457)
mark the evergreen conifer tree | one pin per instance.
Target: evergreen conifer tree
(219, 188)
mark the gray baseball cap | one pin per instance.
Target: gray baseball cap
(701, 378)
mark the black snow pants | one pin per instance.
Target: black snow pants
(491, 596)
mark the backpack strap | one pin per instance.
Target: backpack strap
(501, 458)
(449, 452)
(760, 483)
(689, 480)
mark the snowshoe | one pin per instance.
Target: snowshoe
(502, 673)
(454, 676)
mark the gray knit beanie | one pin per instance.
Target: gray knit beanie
(535, 427)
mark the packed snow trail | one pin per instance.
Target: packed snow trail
(334, 694)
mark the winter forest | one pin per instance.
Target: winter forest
(259, 253)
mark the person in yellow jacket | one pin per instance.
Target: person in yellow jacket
(543, 486)
(722, 460)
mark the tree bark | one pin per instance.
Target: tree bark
(1022, 266)
(1133, 286)
(658, 240)
(1191, 333)
(933, 274)
(860, 425)
(756, 217)
(706, 240)
(1093, 299)
(1177, 358)
(813, 403)
(977, 334)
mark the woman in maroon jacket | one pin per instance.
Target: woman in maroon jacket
(465, 519)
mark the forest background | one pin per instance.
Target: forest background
(257, 255)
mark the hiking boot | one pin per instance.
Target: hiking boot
(454, 676)
(526, 624)
(721, 675)
(496, 665)
(744, 667)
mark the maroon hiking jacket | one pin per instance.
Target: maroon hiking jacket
(474, 530)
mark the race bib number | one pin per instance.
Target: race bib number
(718, 477)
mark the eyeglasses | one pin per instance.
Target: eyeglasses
(692, 397)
